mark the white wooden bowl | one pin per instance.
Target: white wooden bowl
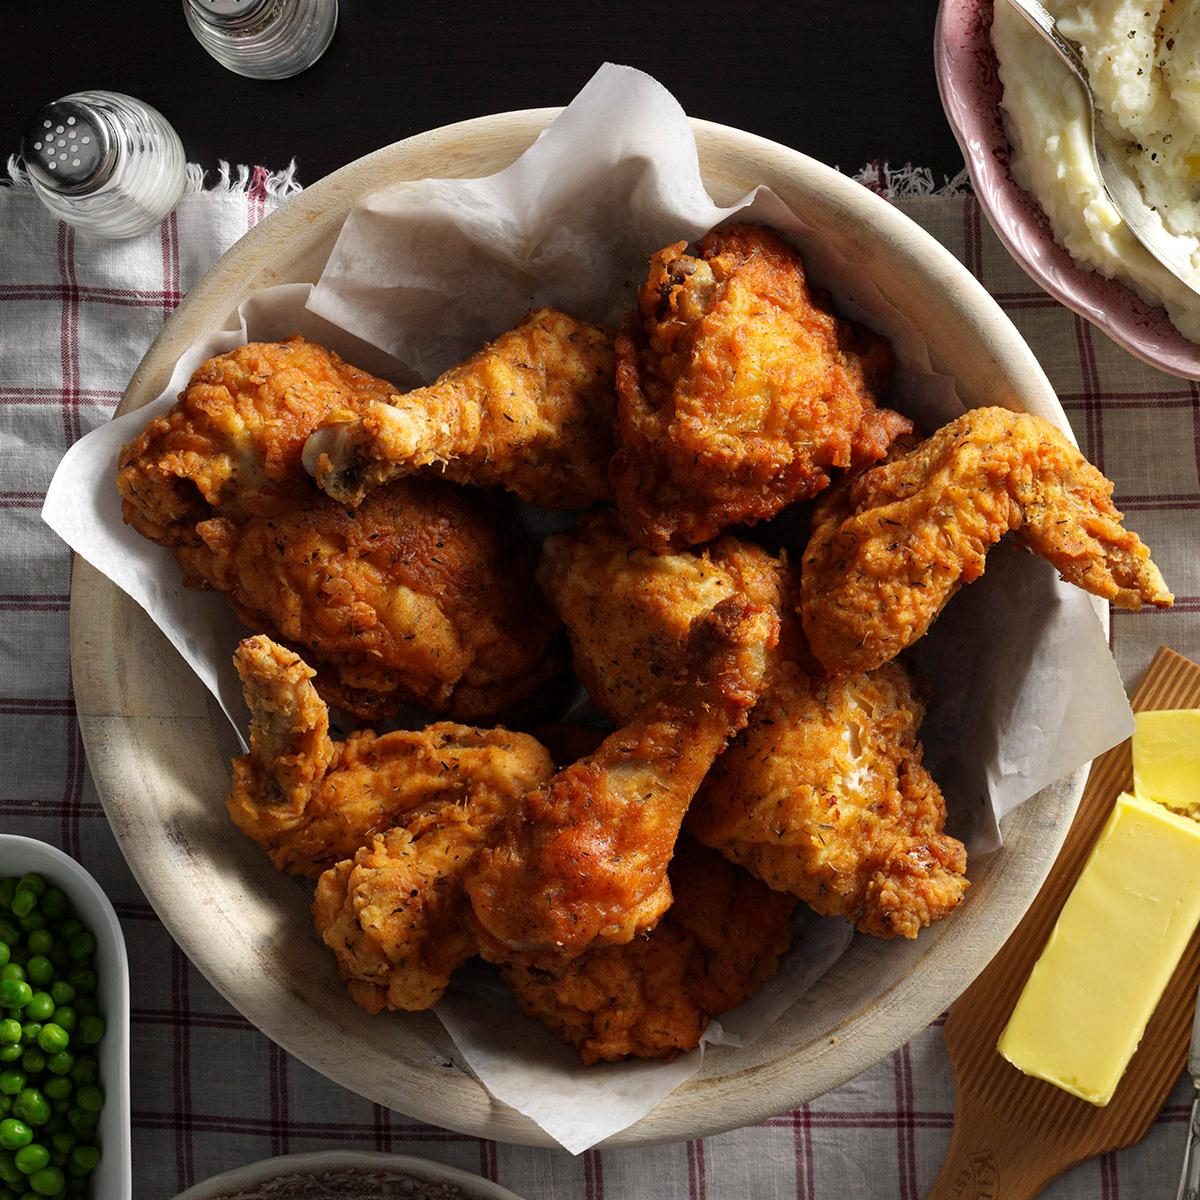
(159, 748)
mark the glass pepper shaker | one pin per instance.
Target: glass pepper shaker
(104, 162)
(263, 39)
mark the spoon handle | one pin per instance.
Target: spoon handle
(1063, 46)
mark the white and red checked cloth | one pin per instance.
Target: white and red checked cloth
(209, 1091)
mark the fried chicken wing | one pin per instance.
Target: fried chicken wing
(311, 802)
(424, 595)
(232, 442)
(531, 412)
(583, 860)
(890, 548)
(824, 796)
(629, 611)
(718, 943)
(739, 392)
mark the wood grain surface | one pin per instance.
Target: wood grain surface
(1013, 1133)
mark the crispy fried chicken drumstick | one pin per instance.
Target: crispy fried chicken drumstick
(423, 596)
(392, 821)
(583, 860)
(739, 391)
(718, 943)
(824, 796)
(232, 442)
(889, 548)
(531, 412)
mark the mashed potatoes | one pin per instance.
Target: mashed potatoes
(1143, 59)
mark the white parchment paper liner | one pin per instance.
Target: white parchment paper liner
(1025, 689)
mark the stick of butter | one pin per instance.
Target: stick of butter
(1117, 942)
(1166, 758)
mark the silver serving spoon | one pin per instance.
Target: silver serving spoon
(1121, 190)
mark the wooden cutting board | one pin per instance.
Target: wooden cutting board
(1013, 1134)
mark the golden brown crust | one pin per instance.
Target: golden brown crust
(629, 611)
(583, 859)
(531, 412)
(739, 392)
(721, 939)
(824, 796)
(424, 595)
(892, 546)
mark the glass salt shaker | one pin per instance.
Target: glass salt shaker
(264, 39)
(104, 162)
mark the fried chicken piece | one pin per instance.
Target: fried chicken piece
(889, 548)
(718, 943)
(532, 412)
(311, 802)
(739, 392)
(629, 612)
(583, 859)
(424, 595)
(825, 796)
(233, 440)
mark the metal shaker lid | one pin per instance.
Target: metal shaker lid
(68, 146)
(227, 13)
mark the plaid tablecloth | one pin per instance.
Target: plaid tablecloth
(209, 1091)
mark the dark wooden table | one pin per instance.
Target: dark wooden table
(845, 82)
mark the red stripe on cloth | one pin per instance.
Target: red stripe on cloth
(123, 297)
(802, 1150)
(36, 706)
(697, 1183)
(1194, 389)
(159, 1016)
(346, 1131)
(877, 1119)
(383, 1129)
(487, 1159)
(182, 1060)
(69, 332)
(1093, 424)
(593, 1175)
(278, 1075)
(1110, 1185)
(72, 793)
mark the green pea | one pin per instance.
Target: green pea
(39, 1006)
(12, 970)
(84, 1159)
(10, 1031)
(32, 1158)
(5, 1106)
(62, 1143)
(32, 883)
(85, 1006)
(80, 1119)
(82, 979)
(8, 889)
(11, 1053)
(5, 954)
(82, 945)
(11, 1082)
(30, 1031)
(23, 904)
(57, 1087)
(9, 933)
(32, 1107)
(55, 903)
(86, 1070)
(64, 1017)
(49, 1181)
(39, 970)
(8, 1168)
(33, 1061)
(60, 1063)
(14, 1134)
(53, 1039)
(91, 1030)
(61, 992)
(14, 993)
(90, 1098)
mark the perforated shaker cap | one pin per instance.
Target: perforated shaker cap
(227, 13)
(68, 146)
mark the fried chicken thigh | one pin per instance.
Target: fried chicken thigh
(890, 548)
(582, 862)
(392, 821)
(232, 442)
(720, 940)
(531, 412)
(824, 796)
(310, 801)
(629, 612)
(739, 392)
(424, 595)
